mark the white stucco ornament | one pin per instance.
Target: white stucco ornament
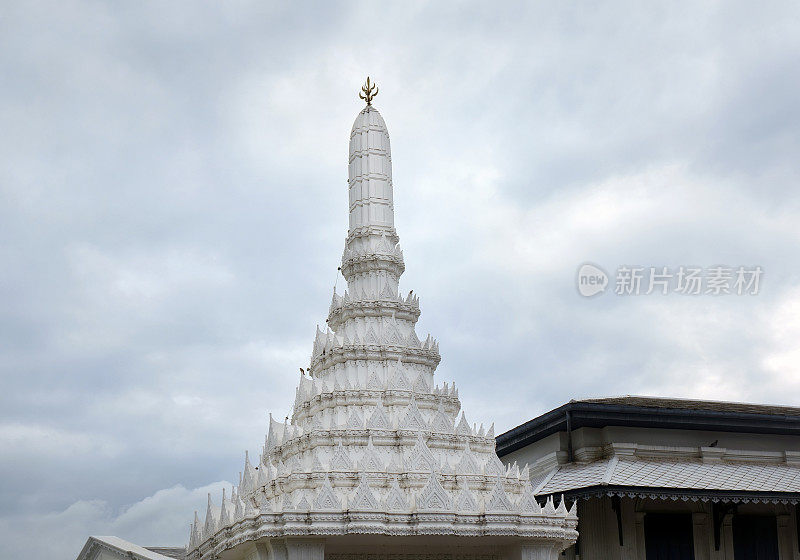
(375, 448)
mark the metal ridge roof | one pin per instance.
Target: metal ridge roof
(689, 475)
(654, 412)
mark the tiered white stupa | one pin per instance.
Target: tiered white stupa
(377, 458)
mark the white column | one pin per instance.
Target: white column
(702, 550)
(305, 549)
(538, 551)
(276, 550)
(641, 551)
(629, 538)
(793, 531)
(785, 540)
(726, 537)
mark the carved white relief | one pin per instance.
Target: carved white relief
(433, 496)
(363, 499)
(327, 498)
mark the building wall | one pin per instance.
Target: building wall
(599, 537)
(541, 455)
(597, 521)
(589, 444)
(586, 439)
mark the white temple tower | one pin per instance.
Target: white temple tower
(377, 459)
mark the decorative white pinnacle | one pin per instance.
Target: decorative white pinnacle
(370, 429)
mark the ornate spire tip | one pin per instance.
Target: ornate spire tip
(368, 92)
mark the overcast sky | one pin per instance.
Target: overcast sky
(173, 207)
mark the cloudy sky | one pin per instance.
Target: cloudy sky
(173, 209)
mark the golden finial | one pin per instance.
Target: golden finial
(368, 92)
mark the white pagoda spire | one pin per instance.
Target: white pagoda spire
(374, 445)
(370, 174)
(372, 262)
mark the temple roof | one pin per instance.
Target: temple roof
(675, 474)
(654, 412)
(632, 463)
(122, 549)
(688, 478)
(694, 404)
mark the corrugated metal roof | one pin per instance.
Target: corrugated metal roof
(675, 474)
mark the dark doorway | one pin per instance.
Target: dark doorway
(755, 537)
(668, 536)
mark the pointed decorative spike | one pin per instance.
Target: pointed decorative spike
(463, 426)
(197, 532)
(573, 510)
(211, 523)
(549, 508)
(562, 508)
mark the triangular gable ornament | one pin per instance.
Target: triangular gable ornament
(441, 423)
(421, 384)
(303, 504)
(316, 464)
(433, 496)
(341, 460)
(363, 498)
(468, 464)
(326, 497)
(354, 420)
(374, 383)
(399, 380)
(498, 499)
(249, 509)
(379, 420)
(421, 458)
(528, 503)
(466, 501)
(371, 462)
(412, 419)
(494, 466)
(396, 499)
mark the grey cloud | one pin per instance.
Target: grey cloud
(173, 205)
